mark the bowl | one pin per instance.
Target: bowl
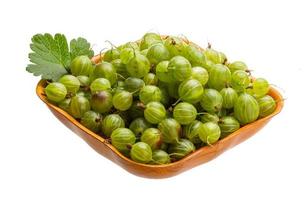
(200, 156)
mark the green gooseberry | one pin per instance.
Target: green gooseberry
(86, 94)
(240, 80)
(132, 45)
(228, 125)
(211, 100)
(127, 54)
(71, 83)
(229, 96)
(162, 72)
(110, 123)
(100, 84)
(122, 100)
(81, 65)
(266, 105)
(172, 89)
(190, 90)
(111, 55)
(150, 39)
(154, 112)
(175, 45)
(160, 157)
(105, 70)
(194, 55)
(209, 117)
(184, 113)
(78, 106)
(260, 87)
(150, 79)
(65, 104)
(246, 109)
(144, 52)
(179, 68)
(157, 53)
(139, 125)
(149, 93)
(164, 146)
(122, 139)
(138, 66)
(56, 92)
(210, 133)
(134, 85)
(120, 69)
(141, 152)
(136, 111)
(181, 149)
(91, 120)
(83, 80)
(237, 65)
(164, 97)
(214, 56)
(191, 131)
(200, 74)
(219, 77)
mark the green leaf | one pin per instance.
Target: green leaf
(79, 47)
(50, 56)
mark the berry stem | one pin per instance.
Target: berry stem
(112, 45)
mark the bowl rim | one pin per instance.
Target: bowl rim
(272, 92)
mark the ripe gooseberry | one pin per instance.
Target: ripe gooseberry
(101, 101)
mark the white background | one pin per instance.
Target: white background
(41, 159)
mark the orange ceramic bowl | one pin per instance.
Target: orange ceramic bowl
(200, 156)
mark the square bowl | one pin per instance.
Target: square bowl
(200, 156)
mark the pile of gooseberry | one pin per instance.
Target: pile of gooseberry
(159, 99)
